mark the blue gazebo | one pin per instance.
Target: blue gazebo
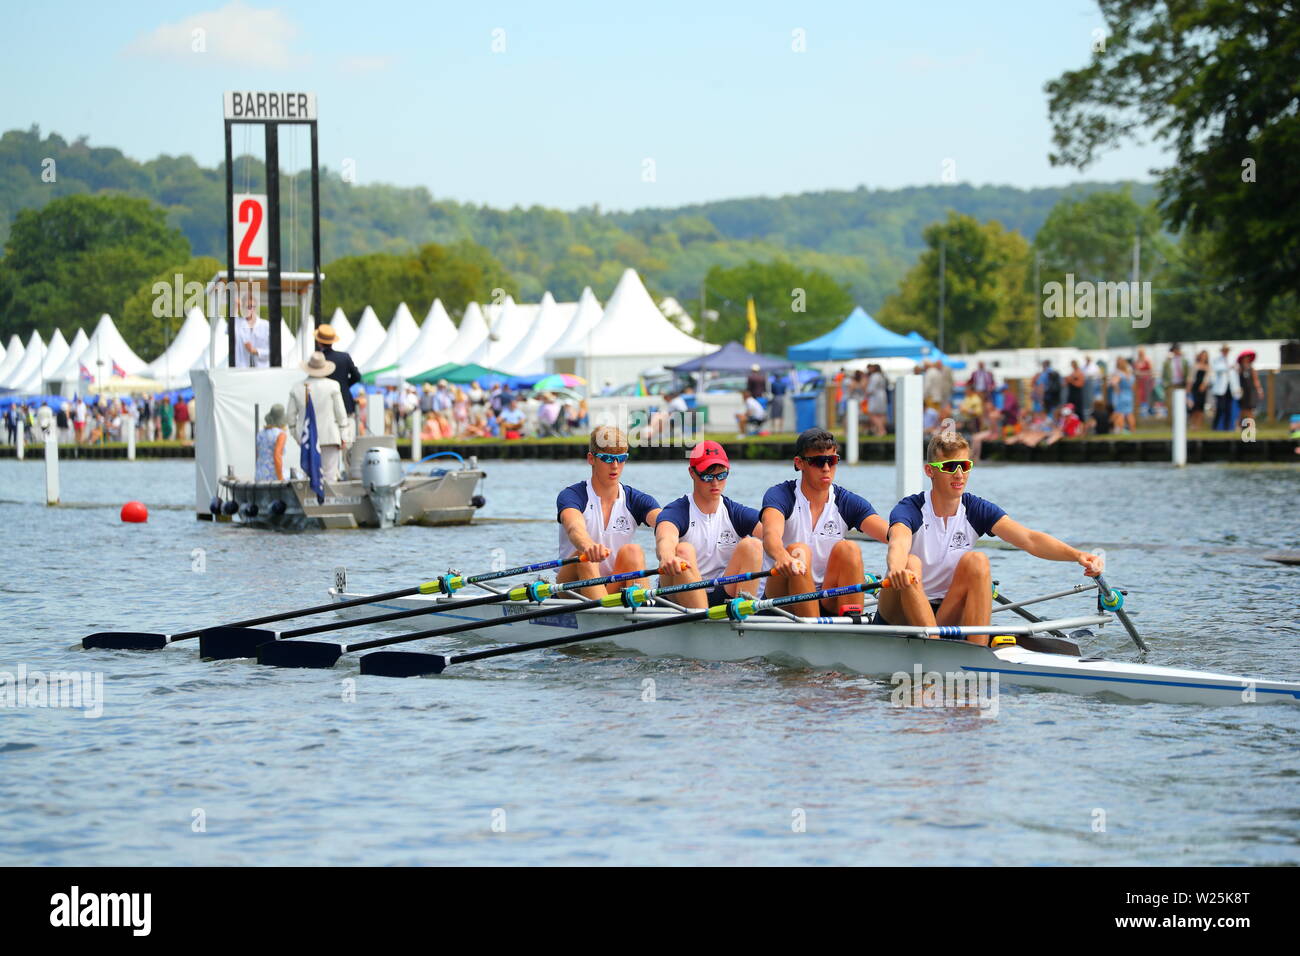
(858, 336)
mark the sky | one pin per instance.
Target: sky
(569, 104)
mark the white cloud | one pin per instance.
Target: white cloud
(235, 34)
(366, 64)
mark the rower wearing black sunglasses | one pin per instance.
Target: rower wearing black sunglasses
(705, 534)
(804, 523)
(936, 575)
(599, 517)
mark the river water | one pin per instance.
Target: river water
(558, 758)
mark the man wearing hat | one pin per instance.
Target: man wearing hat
(705, 534)
(345, 373)
(331, 416)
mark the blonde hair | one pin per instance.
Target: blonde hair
(607, 439)
(943, 444)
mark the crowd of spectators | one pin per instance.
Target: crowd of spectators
(448, 410)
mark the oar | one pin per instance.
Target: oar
(144, 641)
(1061, 643)
(320, 655)
(223, 643)
(413, 664)
(1113, 601)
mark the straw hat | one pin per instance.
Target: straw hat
(275, 417)
(325, 335)
(316, 366)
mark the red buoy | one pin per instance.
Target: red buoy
(134, 512)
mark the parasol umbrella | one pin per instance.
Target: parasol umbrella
(558, 381)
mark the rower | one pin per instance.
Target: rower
(598, 517)
(936, 576)
(804, 523)
(705, 534)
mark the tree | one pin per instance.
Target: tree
(1216, 81)
(988, 301)
(458, 274)
(80, 256)
(1093, 239)
(793, 305)
(155, 311)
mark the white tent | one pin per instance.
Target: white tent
(527, 358)
(677, 315)
(369, 336)
(473, 330)
(172, 368)
(429, 349)
(13, 356)
(2, 354)
(343, 329)
(55, 353)
(509, 329)
(632, 336)
(402, 333)
(33, 356)
(51, 383)
(104, 348)
(572, 343)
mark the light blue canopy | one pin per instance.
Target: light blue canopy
(858, 336)
(934, 354)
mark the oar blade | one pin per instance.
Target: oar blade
(227, 643)
(306, 654)
(125, 641)
(402, 664)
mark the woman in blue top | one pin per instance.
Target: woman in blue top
(1122, 384)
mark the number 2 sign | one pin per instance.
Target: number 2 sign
(250, 231)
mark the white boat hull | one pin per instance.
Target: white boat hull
(848, 647)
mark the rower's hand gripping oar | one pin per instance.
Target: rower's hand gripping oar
(145, 641)
(320, 655)
(412, 664)
(1109, 600)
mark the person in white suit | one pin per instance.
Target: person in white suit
(331, 416)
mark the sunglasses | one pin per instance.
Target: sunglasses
(953, 465)
(611, 459)
(822, 461)
(716, 476)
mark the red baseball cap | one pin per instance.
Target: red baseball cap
(707, 454)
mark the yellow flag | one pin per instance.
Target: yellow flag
(751, 333)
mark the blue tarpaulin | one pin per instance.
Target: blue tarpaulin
(858, 336)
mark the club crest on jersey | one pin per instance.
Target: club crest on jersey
(959, 541)
(621, 524)
(726, 538)
(830, 528)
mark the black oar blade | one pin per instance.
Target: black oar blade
(299, 654)
(226, 643)
(402, 664)
(125, 641)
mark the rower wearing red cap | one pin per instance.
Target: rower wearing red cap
(705, 534)
(804, 523)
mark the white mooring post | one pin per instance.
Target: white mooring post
(851, 431)
(1178, 416)
(22, 431)
(909, 435)
(130, 438)
(375, 414)
(51, 467)
(416, 425)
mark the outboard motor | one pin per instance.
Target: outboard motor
(381, 477)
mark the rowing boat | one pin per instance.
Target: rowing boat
(845, 644)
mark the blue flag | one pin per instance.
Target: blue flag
(309, 461)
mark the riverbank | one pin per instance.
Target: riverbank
(1270, 445)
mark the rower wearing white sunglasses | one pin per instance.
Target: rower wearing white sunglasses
(935, 574)
(705, 534)
(599, 517)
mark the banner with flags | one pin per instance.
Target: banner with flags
(119, 371)
(751, 331)
(309, 460)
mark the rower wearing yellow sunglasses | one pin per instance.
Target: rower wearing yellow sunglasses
(936, 575)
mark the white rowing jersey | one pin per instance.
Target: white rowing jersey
(843, 510)
(630, 509)
(714, 537)
(941, 542)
